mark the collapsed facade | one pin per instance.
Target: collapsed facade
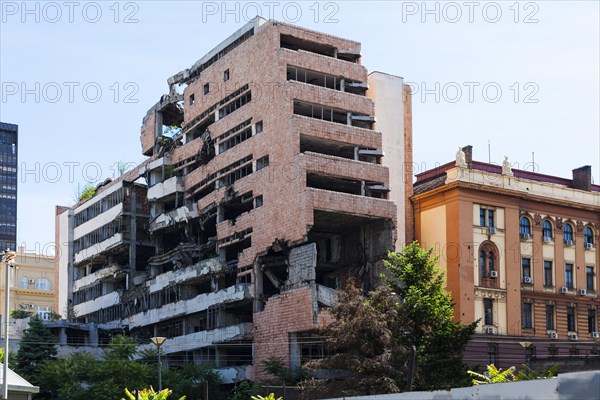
(282, 168)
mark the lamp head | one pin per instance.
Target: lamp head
(158, 340)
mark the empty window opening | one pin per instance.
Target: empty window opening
(236, 139)
(226, 75)
(235, 104)
(294, 43)
(206, 88)
(210, 110)
(258, 127)
(232, 252)
(237, 206)
(321, 112)
(192, 99)
(329, 147)
(200, 129)
(262, 163)
(332, 183)
(313, 78)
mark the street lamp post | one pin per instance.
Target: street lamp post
(7, 258)
(525, 346)
(158, 341)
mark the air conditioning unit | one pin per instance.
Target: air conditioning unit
(547, 239)
(572, 336)
(553, 335)
(493, 274)
(491, 230)
(32, 281)
(525, 236)
(596, 335)
(568, 243)
(564, 289)
(582, 292)
(527, 279)
(490, 330)
(589, 246)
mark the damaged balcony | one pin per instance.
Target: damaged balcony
(295, 43)
(172, 218)
(339, 149)
(97, 303)
(322, 79)
(172, 186)
(346, 185)
(183, 256)
(335, 115)
(86, 277)
(205, 338)
(201, 302)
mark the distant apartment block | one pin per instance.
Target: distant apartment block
(520, 253)
(9, 145)
(281, 169)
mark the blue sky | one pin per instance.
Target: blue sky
(79, 77)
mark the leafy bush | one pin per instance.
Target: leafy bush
(21, 314)
(149, 394)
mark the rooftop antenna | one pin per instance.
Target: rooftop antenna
(489, 152)
(533, 161)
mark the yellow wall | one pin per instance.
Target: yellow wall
(33, 267)
(433, 232)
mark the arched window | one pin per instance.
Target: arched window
(568, 232)
(547, 229)
(488, 261)
(42, 284)
(24, 284)
(588, 235)
(525, 226)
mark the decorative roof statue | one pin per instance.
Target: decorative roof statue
(506, 169)
(461, 160)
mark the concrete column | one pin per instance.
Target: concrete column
(62, 337)
(295, 352)
(93, 336)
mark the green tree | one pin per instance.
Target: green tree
(363, 344)
(21, 314)
(121, 347)
(82, 376)
(36, 347)
(426, 315)
(190, 379)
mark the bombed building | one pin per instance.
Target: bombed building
(277, 166)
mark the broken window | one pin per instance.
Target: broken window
(235, 104)
(321, 112)
(262, 163)
(313, 78)
(192, 99)
(237, 206)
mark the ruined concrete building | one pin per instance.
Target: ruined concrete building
(279, 170)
